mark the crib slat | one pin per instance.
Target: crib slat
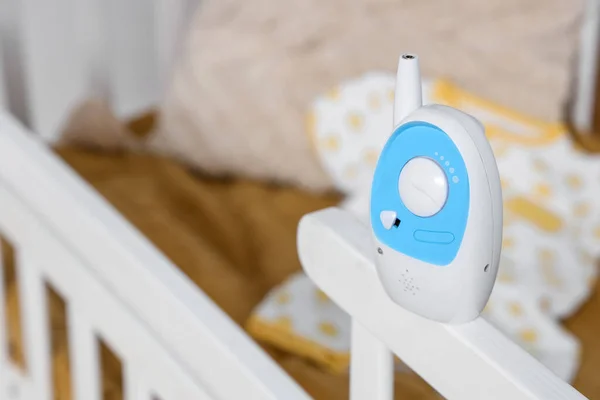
(135, 389)
(583, 110)
(53, 71)
(13, 59)
(17, 386)
(372, 367)
(133, 77)
(90, 27)
(3, 100)
(3, 336)
(85, 365)
(172, 20)
(35, 326)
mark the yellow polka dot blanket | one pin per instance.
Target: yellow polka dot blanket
(551, 226)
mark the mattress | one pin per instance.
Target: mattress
(236, 239)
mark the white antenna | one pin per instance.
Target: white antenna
(409, 94)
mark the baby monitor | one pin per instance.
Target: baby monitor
(436, 207)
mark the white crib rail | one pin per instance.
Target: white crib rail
(93, 311)
(171, 338)
(467, 362)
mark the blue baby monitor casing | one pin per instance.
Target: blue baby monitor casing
(436, 207)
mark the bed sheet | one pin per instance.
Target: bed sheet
(236, 239)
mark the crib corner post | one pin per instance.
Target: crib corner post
(371, 368)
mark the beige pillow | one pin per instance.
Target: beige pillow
(240, 93)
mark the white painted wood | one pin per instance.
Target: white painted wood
(89, 20)
(467, 362)
(3, 333)
(34, 317)
(83, 355)
(371, 368)
(13, 383)
(172, 21)
(55, 80)
(211, 346)
(133, 67)
(113, 321)
(10, 40)
(17, 385)
(3, 95)
(135, 387)
(587, 68)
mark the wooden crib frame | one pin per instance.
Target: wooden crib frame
(173, 341)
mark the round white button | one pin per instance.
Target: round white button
(423, 186)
